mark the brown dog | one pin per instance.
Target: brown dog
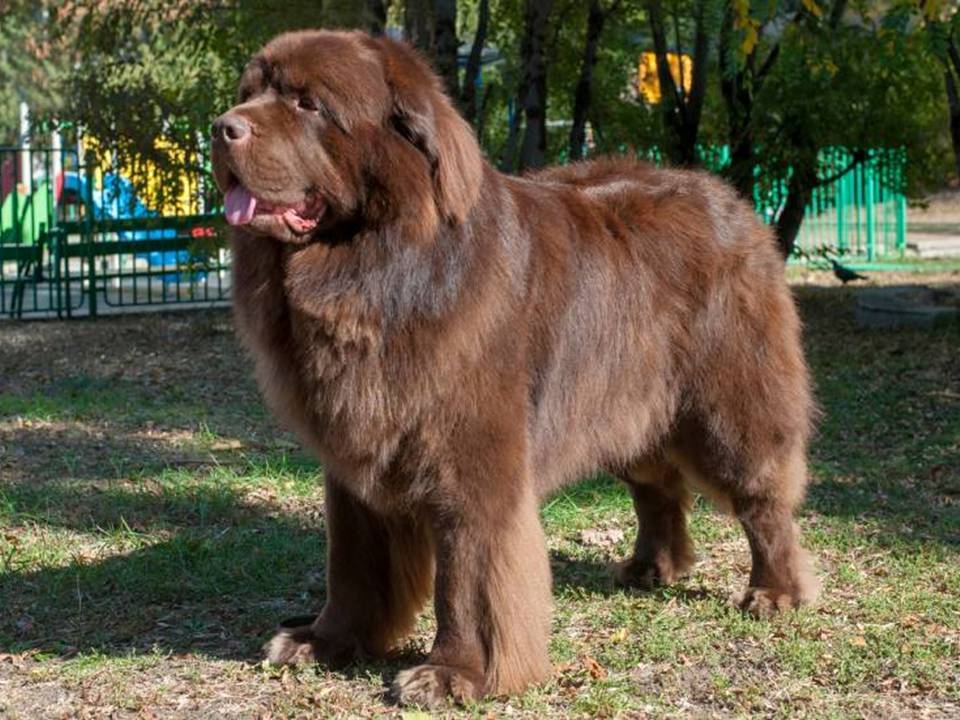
(455, 344)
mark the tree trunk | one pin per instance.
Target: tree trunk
(445, 44)
(952, 78)
(799, 191)
(681, 110)
(533, 97)
(742, 169)
(471, 76)
(509, 155)
(482, 112)
(698, 83)
(953, 103)
(804, 179)
(377, 16)
(583, 94)
(418, 25)
(735, 88)
(671, 105)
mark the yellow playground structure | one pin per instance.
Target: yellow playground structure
(648, 83)
(161, 192)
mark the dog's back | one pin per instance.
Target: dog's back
(657, 299)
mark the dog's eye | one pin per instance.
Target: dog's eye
(307, 103)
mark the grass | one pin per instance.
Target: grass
(154, 525)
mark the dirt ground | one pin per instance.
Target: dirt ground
(155, 524)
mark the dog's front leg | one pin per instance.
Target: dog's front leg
(492, 600)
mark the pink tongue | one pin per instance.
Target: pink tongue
(239, 205)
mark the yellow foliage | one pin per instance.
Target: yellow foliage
(932, 8)
(741, 12)
(813, 8)
(750, 27)
(751, 37)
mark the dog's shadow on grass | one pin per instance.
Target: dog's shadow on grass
(570, 573)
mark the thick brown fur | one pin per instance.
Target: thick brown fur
(455, 345)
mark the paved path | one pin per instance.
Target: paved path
(939, 241)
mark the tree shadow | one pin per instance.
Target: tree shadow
(207, 571)
(885, 450)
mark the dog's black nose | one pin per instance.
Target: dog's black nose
(231, 128)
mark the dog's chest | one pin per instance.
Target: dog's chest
(352, 392)
(365, 394)
(335, 330)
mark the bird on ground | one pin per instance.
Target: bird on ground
(845, 274)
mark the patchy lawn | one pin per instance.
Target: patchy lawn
(154, 525)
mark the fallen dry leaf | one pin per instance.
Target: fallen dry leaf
(601, 538)
(595, 669)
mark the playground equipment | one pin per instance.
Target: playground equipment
(29, 204)
(23, 215)
(116, 199)
(648, 82)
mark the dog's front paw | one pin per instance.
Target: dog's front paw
(766, 602)
(299, 642)
(430, 685)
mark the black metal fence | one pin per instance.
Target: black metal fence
(79, 238)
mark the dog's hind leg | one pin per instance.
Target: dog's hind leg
(379, 575)
(762, 489)
(663, 550)
(781, 576)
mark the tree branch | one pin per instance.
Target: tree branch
(837, 12)
(859, 157)
(701, 53)
(768, 64)
(953, 54)
(657, 30)
(682, 91)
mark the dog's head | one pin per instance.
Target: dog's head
(338, 126)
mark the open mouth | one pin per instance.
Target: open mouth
(241, 207)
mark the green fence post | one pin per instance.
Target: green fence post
(56, 252)
(869, 207)
(840, 202)
(901, 205)
(15, 200)
(901, 224)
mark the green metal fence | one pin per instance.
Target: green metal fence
(79, 238)
(860, 211)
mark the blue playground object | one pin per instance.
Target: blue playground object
(118, 201)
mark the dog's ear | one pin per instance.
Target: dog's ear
(423, 114)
